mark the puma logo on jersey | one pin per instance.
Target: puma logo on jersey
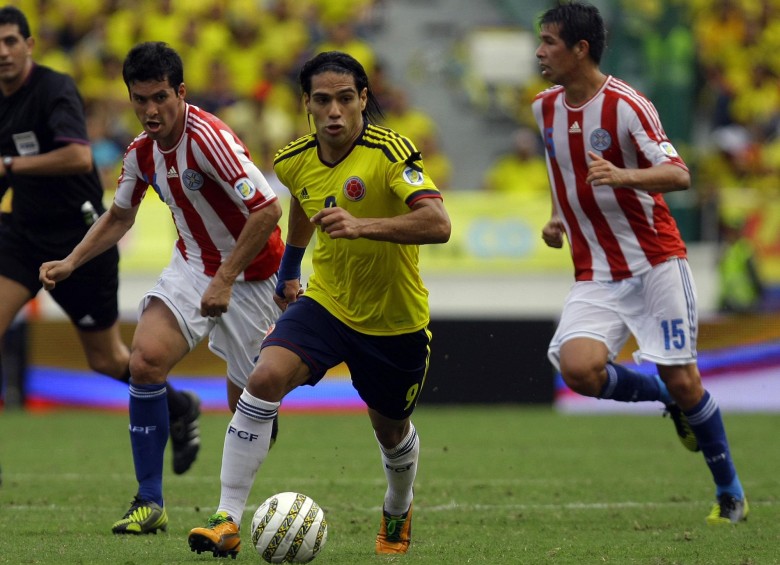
(575, 128)
(172, 174)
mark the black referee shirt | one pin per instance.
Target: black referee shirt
(46, 113)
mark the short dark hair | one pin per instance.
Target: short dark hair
(153, 60)
(11, 15)
(578, 21)
(341, 63)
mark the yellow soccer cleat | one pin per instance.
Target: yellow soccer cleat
(728, 510)
(144, 517)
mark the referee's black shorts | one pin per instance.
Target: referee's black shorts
(88, 296)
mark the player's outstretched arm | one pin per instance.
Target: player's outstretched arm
(104, 233)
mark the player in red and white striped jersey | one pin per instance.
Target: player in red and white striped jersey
(615, 234)
(609, 163)
(222, 276)
(211, 187)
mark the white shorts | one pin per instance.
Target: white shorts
(235, 336)
(658, 308)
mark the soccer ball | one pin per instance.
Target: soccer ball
(289, 527)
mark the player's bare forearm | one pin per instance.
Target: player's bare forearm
(254, 235)
(427, 222)
(299, 228)
(662, 178)
(106, 232)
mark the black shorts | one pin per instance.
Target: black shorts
(88, 296)
(388, 372)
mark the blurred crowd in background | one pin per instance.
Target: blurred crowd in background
(712, 69)
(710, 66)
(240, 59)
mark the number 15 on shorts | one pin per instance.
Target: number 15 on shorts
(674, 333)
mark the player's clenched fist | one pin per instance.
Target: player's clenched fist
(52, 272)
(552, 232)
(337, 222)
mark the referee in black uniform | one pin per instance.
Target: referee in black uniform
(46, 161)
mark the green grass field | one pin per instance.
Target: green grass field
(496, 485)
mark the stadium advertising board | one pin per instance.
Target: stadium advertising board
(491, 233)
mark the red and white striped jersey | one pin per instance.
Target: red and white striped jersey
(210, 185)
(614, 233)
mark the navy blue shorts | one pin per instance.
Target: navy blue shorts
(388, 372)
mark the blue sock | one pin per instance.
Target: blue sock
(625, 385)
(148, 436)
(707, 425)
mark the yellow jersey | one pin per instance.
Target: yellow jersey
(374, 287)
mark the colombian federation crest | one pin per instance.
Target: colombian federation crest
(354, 189)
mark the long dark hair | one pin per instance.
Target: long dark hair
(341, 63)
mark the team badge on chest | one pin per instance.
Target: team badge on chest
(354, 189)
(600, 139)
(193, 180)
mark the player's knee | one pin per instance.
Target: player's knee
(265, 384)
(582, 379)
(389, 437)
(685, 388)
(277, 373)
(146, 370)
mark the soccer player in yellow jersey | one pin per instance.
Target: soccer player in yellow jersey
(364, 191)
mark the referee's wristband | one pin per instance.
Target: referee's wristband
(290, 267)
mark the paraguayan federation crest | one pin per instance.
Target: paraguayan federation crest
(191, 179)
(600, 139)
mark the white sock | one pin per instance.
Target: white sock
(247, 440)
(400, 465)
